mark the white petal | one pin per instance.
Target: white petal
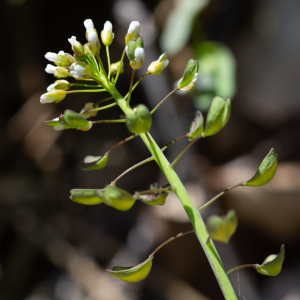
(72, 40)
(51, 56)
(126, 50)
(51, 87)
(50, 69)
(107, 27)
(89, 25)
(134, 28)
(161, 57)
(61, 53)
(139, 54)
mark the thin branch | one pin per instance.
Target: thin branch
(255, 266)
(120, 67)
(103, 100)
(121, 143)
(219, 195)
(108, 61)
(97, 109)
(162, 101)
(109, 121)
(154, 191)
(173, 142)
(85, 85)
(86, 91)
(130, 88)
(184, 150)
(170, 240)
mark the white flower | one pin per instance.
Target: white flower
(107, 27)
(139, 54)
(89, 25)
(55, 96)
(59, 59)
(59, 85)
(107, 35)
(157, 67)
(50, 69)
(73, 41)
(76, 46)
(134, 29)
(80, 70)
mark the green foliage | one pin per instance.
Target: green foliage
(85, 196)
(93, 163)
(71, 119)
(196, 127)
(265, 172)
(140, 121)
(117, 198)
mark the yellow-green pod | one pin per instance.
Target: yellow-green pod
(133, 274)
(222, 228)
(140, 121)
(93, 163)
(273, 264)
(196, 127)
(85, 196)
(265, 172)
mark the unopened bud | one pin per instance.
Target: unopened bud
(59, 85)
(76, 46)
(133, 31)
(59, 59)
(190, 75)
(136, 53)
(115, 67)
(92, 36)
(55, 96)
(70, 57)
(157, 67)
(107, 35)
(57, 71)
(80, 70)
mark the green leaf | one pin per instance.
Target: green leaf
(265, 172)
(118, 198)
(133, 274)
(93, 163)
(71, 119)
(196, 127)
(141, 121)
(222, 228)
(273, 264)
(179, 25)
(217, 116)
(85, 196)
(53, 123)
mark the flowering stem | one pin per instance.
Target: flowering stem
(85, 85)
(121, 143)
(184, 150)
(108, 61)
(219, 195)
(109, 121)
(162, 101)
(173, 142)
(86, 91)
(136, 84)
(132, 168)
(102, 70)
(255, 266)
(120, 67)
(99, 108)
(103, 100)
(170, 240)
(130, 88)
(191, 210)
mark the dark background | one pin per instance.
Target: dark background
(52, 248)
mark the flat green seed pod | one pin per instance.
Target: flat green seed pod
(54, 122)
(118, 198)
(196, 127)
(217, 116)
(189, 73)
(273, 264)
(85, 196)
(222, 228)
(265, 172)
(133, 274)
(72, 119)
(93, 163)
(154, 198)
(141, 121)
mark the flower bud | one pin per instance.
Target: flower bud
(59, 85)
(87, 48)
(80, 70)
(157, 67)
(87, 107)
(133, 31)
(107, 35)
(76, 46)
(59, 59)
(57, 71)
(92, 36)
(190, 75)
(70, 57)
(115, 67)
(55, 96)
(135, 52)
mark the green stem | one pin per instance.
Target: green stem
(130, 88)
(108, 61)
(219, 195)
(109, 121)
(85, 85)
(121, 143)
(86, 91)
(162, 101)
(187, 203)
(120, 68)
(103, 100)
(154, 191)
(170, 240)
(255, 266)
(99, 108)
(184, 150)
(173, 142)
(132, 168)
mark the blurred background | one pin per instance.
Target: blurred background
(54, 249)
